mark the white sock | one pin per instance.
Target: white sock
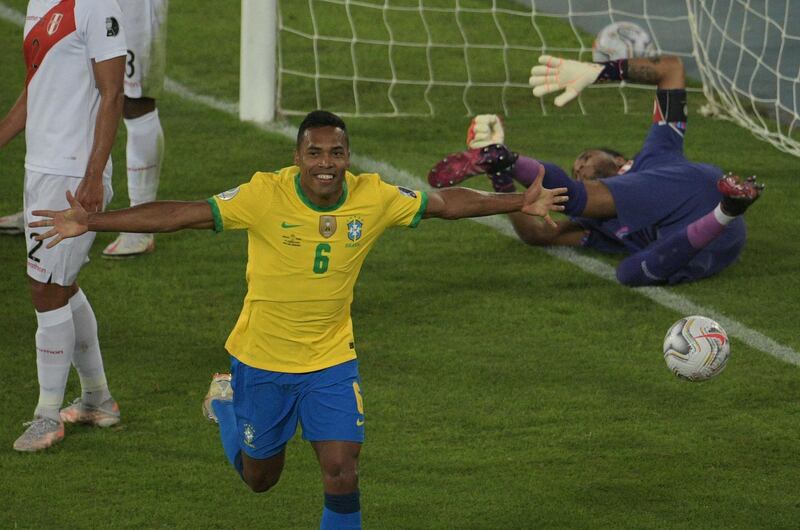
(55, 343)
(721, 216)
(144, 153)
(87, 359)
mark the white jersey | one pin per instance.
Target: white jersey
(146, 35)
(62, 37)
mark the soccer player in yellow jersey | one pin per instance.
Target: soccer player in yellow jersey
(310, 226)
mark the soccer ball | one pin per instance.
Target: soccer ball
(696, 348)
(622, 40)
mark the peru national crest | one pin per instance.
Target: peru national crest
(55, 20)
(354, 228)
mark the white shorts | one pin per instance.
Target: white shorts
(60, 264)
(146, 35)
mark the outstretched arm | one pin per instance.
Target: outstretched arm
(458, 203)
(554, 73)
(665, 71)
(534, 232)
(158, 216)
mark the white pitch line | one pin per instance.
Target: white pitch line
(660, 295)
(11, 15)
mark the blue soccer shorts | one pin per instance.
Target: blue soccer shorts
(268, 406)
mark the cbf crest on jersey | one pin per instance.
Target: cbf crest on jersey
(355, 227)
(327, 225)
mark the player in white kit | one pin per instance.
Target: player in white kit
(145, 24)
(146, 35)
(70, 109)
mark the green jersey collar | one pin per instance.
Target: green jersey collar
(315, 207)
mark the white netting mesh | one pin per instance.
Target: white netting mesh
(749, 60)
(417, 57)
(429, 57)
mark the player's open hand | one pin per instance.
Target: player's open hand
(540, 201)
(555, 73)
(66, 223)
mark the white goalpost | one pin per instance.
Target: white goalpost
(258, 60)
(397, 58)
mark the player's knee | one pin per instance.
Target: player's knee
(49, 296)
(339, 466)
(261, 483)
(136, 108)
(634, 277)
(625, 277)
(340, 479)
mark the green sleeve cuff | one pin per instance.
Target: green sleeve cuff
(423, 205)
(217, 216)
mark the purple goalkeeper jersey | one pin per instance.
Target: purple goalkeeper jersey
(662, 193)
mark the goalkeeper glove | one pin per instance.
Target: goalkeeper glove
(555, 73)
(485, 129)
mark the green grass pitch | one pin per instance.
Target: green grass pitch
(503, 388)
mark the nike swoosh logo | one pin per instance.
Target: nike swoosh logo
(359, 423)
(287, 225)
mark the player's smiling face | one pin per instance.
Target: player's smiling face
(323, 156)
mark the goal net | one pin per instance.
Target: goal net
(422, 57)
(748, 55)
(394, 58)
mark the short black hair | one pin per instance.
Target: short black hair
(320, 118)
(610, 152)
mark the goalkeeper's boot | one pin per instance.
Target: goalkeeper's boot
(453, 169)
(40, 434)
(13, 224)
(130, 246)
(220, 389)
(738, 194)
(105, 414)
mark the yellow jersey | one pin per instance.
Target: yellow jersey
(303, 262)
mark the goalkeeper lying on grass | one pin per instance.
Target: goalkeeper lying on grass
(679, 220)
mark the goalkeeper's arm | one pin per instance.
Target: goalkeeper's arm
(554, 74)
(665, 71)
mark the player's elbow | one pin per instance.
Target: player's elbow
(113, 95)
(533, 240)
(673, 74)
(533, 237)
